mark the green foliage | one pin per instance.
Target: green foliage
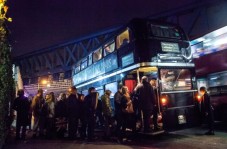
(6, 83)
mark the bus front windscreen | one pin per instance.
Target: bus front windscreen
(175, 79)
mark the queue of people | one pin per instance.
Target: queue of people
(74, 115)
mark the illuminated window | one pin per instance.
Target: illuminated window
(175, 79)
(77, 69)
(109, 48)
(84, 64)
(90, 59)
(97, 55)
(123, 39)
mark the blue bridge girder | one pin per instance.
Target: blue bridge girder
(59, 58)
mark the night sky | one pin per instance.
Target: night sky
(39, 24)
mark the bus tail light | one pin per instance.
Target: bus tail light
(198, 98)
(163, 101)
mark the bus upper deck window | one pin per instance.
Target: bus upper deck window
(109, 48)
(97, 55)
(83, 64)
(123, 39)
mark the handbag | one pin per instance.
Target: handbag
(129, 108)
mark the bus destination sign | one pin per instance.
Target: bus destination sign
(170, 47)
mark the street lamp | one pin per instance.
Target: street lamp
(42, 82)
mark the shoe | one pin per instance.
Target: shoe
(209, 133)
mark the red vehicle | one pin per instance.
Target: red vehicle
(211, 68)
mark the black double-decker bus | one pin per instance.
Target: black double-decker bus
(143, 47)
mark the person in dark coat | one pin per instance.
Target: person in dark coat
(99, 115)
(60, 115)
(155, 110)
(22, 106)
(91, 101)
(208, 110)
(72, 106)
(118, 111)
(82, 116)
(146, 97)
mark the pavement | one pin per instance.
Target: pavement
(191, 138)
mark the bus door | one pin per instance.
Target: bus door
(132, 79)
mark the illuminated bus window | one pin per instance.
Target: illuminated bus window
(109, 48)
(84, 64)
(77, 69)
(90, 59)
(97, 55)
(123, 39)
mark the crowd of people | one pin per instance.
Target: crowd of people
(74, 115)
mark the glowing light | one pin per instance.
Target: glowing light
(44, 81)
(198, 98)
(214, 78)
(164, 101)
(220, 41)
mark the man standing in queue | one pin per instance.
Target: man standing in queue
(22, 106)
(72, 106)
(208, 110)
(155, 110)
(146, 97)
(37, 106)
(118, 111)
(91, 101)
